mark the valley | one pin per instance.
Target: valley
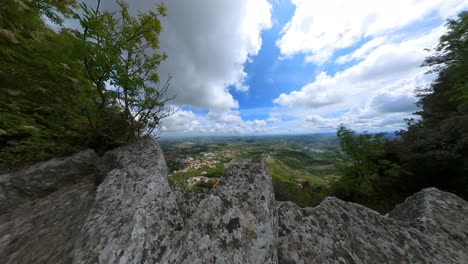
(301, 165)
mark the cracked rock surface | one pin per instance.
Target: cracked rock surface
(339, 232)
(119, 208)
(235, 223)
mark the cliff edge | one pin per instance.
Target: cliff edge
(119, 208)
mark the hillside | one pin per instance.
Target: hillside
(307, 158)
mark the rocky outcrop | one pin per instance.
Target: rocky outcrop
(45, 178)
(235, 223)
(341, 232)
(119, 208)
(45, 230)
(134, 214)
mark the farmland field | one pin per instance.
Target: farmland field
(308, 158)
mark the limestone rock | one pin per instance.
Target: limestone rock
(135, 213)
(44, 230)
(339, 232)
(44, 178)
(54, 212)
(235, 223)
(440, 215)
(187, 201)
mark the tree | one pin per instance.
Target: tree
(121, 59)
(66, 90)
(55, 10)
(434, 149)
(367, 176)
(357, 158)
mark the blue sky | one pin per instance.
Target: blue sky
(299, 66)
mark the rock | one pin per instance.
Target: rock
(187, 201)
(442, 216)
(135, 214)
(44, 178)
(235, 223)
(53, 212)
(45, 230)
(339, 232)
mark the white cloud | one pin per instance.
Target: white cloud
(318, 28)
(376, 91)
(208, 43)
(257, 123)
(225, 123)
(388, 66)
(391, 102)
(181, 121)
(274, 117)
(320, 93)
(362, 52)
(225, 116)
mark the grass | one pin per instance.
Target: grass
(287, 167)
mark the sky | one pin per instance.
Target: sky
(259, 67)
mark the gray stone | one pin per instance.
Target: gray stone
(54, 213)
(135, 214)
(44, 178)
(440, 215)
(44, 230)
(187, 201)
(235, 223)
(339, 232)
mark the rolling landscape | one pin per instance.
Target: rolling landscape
(233, 132)
(290, 159)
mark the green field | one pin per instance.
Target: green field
(289, 158)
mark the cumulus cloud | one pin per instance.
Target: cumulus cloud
(187, 121)
(225, 116)
(378, 87)
(319, 28)
(376, 90)
(181, 121)
(388, 102)
(389, 66)
(322, 92)
(208, 43)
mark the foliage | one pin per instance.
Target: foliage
(174, 165)
(357, 160)
(435, 148)
(52, 103)
(366, 175)
(42, 89)
(121, 50)
(432, 152)
(55, 10)
(309, 195)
